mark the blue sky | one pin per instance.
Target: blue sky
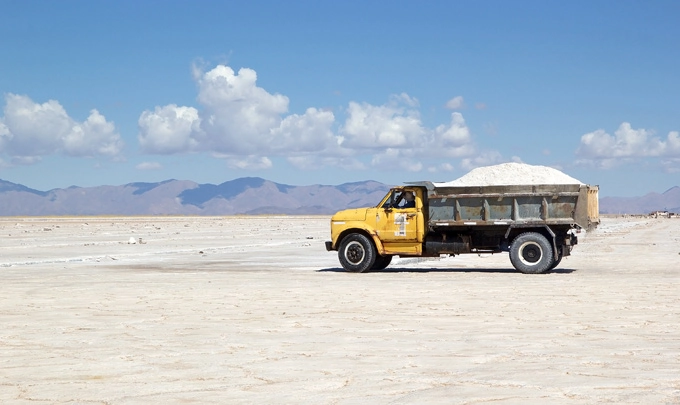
(320, 92)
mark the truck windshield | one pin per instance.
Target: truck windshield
(389, 202)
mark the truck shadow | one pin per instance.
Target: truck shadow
(444, 270)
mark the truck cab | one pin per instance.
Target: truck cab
(396, 226)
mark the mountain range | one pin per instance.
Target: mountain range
(669, 200)
(247, 196)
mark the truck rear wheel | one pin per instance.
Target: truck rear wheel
(356, 253)
(531, 253)
(556, 261)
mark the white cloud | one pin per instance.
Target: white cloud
(310, 132)
(455, 103)
(95, 136)
(453, 140)
(627, 143)
(237, 119)
(238, 116)
(149, 166)
(169, 129)
(245, 124)
(30, 130)
(378, 127)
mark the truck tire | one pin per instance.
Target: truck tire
(381, 262)
(531, 253)
(357, 253)
(556, 262)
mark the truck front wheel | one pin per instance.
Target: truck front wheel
(356, 253)
(531, 253)
(381, 262)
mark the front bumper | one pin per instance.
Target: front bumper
(329, 245)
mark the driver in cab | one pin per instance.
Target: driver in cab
(408, 200)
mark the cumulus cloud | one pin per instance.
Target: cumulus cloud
(627, 142)
(169, 129)
(238, 115)
(309, 132)
(246, 125)
(29, 131)
(95, 136)
(454, 139)
(237, 119)
(378, 127)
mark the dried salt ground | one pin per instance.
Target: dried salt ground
(511, 174)
(215, 310)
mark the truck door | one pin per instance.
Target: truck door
(400, 218)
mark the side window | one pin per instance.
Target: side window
(401, 199)
(407, 199)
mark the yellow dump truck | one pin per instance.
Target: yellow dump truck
(536, 224)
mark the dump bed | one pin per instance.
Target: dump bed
(549, 204)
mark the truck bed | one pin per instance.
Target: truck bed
(550, 204)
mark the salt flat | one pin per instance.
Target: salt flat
(254, 310)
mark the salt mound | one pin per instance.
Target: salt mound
(511, 174)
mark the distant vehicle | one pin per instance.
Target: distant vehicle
(536, 224)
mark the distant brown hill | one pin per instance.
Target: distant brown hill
(247, 195)
(667, 201)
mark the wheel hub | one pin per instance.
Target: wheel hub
(531, 253)
(355, 252)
